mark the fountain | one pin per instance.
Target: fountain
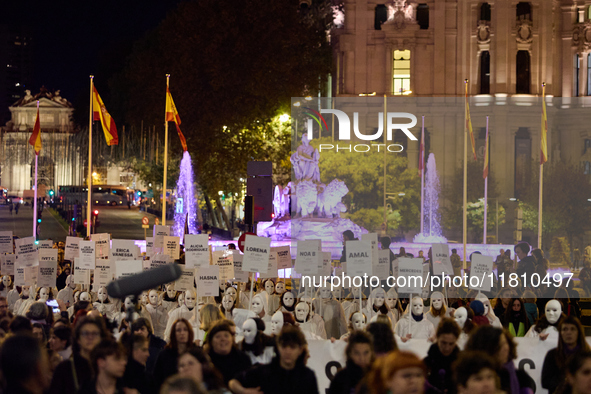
(186, 204)
(431, 226)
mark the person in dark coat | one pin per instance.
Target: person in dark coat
(24, 367)
(181, 339)
(135, 376)
(440, 357)
(143, 327)
(221, 348)
(347, 236)
(360, 355)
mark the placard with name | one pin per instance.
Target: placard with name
(309, 257)
(87, 255)
(271, 267)
(196, 250)
(481, 267)
(172, 246)
(45, 244)
(187, 279)
(149, 246)
(326, 264)
(225, 260)
(7, 261)
(372, 238)
(159, 233)
(441, 260)
(158, 260)
(239, 274)
(26, 252)
(46, 255)
(283, 256)
(19, 276)
(359, 258)
(47, 272)
(127, 268)
(103, 273)
(102, 244)
(6, 242)
(81, 275)
(256, 254)
(72, 250)
(412, 272)
(123, 249)
(209, 281)
(382, 268)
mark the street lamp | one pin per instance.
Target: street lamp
(283, 118)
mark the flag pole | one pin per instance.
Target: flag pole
(35, 202)
(485, 185)
(541, 172)
(89, 195)
(465, 199)
(385, 228)
(165, 159)
(422, 165)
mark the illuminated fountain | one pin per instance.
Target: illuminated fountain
(186, 203)
(431, 221)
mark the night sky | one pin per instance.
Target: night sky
(76, 38)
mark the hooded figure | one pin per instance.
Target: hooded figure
(331, 312)
(67, 293)
(287, 302)
(394, 306)
(186, 311)
(260, 307)
(488, 311)
(169, 299)
(157, 312)
(302, 318)
(438, 309)
(546, 328)
(376, 304)
(5, 286)
(257, 345)
(22, 304)
(104, 304)
(12, 297)
(414, 325)
(351, 302)
(478, 308)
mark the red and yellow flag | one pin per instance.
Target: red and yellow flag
(35, 139)
(485, 172)
(100, 113)
(172, 115)
(469, 127)
(544, 150)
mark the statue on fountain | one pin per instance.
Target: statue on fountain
(305, 162)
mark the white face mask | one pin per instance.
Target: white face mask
(460, 316)
(26, 291)
(144, 299)
(380, 298)
(301, 311)
(190, 299)
(280, 288)
(288, 299)
(391, 302)
(228, 303)
(325, 292)
(436, 303)
(486, 302)
(170, 291)
(84, 296)
(269, 287)
(553, 311)
(257, 305)
(43, 294)
(77, 296)
(358, 321)
(128, 303)
(71, 284)
(417, 306)
(102, 294)
(337, 292)
(181, 299)
(355, 292)
(277, 323)
(153, 298)
(6, 281)
(231, 292)
(249, 330)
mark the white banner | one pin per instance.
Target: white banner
(209, 281)
(102, 244)
(256, 254)
(87, 255)
(359, 258)
(26, 252)
(123, 249)
(309, 257)
(172, 246)
(6, 242)
(441, 260)
(72, 250)
(412, 272)
(48, 255)
(225, 261)
(196, 250)
(481, 268)
(19, 276)
(7, 261)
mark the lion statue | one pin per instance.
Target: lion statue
(329, 201)
(307, 197)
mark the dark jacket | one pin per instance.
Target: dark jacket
(63, 381)
(439, 369)
(553, 375)
(526, 266)
(89, 387)
(526, 383)
(166, 365)
(156, 345)
(271, 379)
(347, 379)
(230, 365)
(135, 377)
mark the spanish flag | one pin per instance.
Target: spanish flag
(100, 113)
(485, 172)
(35, 139)
(172, 115)
(544, 150)
(469, 127)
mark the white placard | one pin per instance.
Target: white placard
(159, 233)
(256, 254)
(26, 252)
(412, 271)
(372, 238)
(19, 276)
(382, 268)
(209, 281)
(309, 257)
(271, 267)
(127, 268)
(172, 247)
(158, 260)
(6, 242)
(72, 250)
(441, 260)
(47, 271)
(149, 246)
(122, 249)
(7, 261)
(102, 244)
(481, 267)
(187, 280)
(196, 250)
(81, 275)
(103, 273)
(45, 244)
(359, 260)
(239, 275)
(87, 255)
(224, 260)
(46, 255)
(283, 257)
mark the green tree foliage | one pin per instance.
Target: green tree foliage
(560, 251)
(475, 214)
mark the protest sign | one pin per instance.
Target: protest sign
(187, 279)
(256, 254)
(159, 233)
(283, 257)
(309, 257)
(123, 249)
(87, 255)
(72, 250)
(127, 268)
(196, 250)
(103, 273)
(410, 273)
(47, 271)
(481, 268)
(441, 260)
(102, 244)
(7, 261)
(359, 258)
(382, 268)
(209, 281)
(158, 260)
(224, 260)
(26, 252)
(172, 246)
(6, 242)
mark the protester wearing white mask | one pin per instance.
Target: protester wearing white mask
(67, 293)
(186, 311)
(357, 322)
(546, 328)
(302, 318)
(332, 313)
(437, 310)
(414, 325)
(257, 346)
(158, 313)
(104, 304)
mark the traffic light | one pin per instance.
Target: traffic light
(39, 220)
(51, 193)
(95, 221)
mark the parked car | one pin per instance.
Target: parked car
(14, 200)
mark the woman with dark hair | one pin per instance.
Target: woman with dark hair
(515, 319)
(181, 339)
(399, 372)
(578, 373)
(359, 352)
(502, 301)
(196, 364)
(287, 373)
(143, 327)
(570, 342)
(441, 356)
(221, 348)
(475, 373)
(71, 374)
(383, 338)
(500, 345)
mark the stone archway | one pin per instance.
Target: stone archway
(45, 171)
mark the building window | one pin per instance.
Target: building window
(381, 16)
(401, 72)
(485, 72)
(523, 70)
(522, 160)
(524, 11)
(577, 73)
(485, 12)
(423, 16)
